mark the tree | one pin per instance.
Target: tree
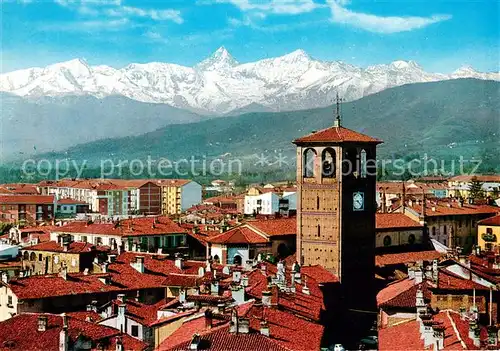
(476, 189)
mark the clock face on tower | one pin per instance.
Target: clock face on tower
(358, 201)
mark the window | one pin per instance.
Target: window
(9, 301)
(489, 230)
(411, 239)
(387, 240)
(433, 231)
(363, 163)
(308, 163)
(319, 230)
(40, 257)
(32, 256)
(328, 167)
(317, 202)
(444, 230)
(135, 331)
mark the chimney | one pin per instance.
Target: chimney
(179, 261)
(420, 304)
(182, 295)
(208, 319)
(305, 289)
(244, 281)
(435, 271)
(208, 266)
(5, 277)
(238, 293)
(236, 276)
(195, 342)
(428, 333)
(438, 331)
(264, 328)
(266, 298)
(138, 264)
(243, 325)
(121, 320)
(214, 287)
(64, 272)
(111, 258)
(119, 344)
(65, 246)
(233, 325)
(418, 276)
(63, 335)
(492, 335)
(384, 202)
(42, 323)
(201, 272)
(121, 298)
(472, 328)
(104, 267)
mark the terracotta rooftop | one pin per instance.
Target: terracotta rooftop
(158, 272)
(395, 221)
(336, 135)
(492, 178)
(27, 199)
(238, 235)
(406, 335)
(402, 294)
(54, 246)
(493, 221)
(442, 209)
(128, 227)
(287, 332)
(275, 227)
(406, 257)
(21, 332)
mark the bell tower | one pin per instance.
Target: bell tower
(336, 206)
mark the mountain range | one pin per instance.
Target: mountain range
(445, 119)
(220, 85)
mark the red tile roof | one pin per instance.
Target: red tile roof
(128, 227)
(27, 199)
(53, 246)
(275, 227)
(287, 331)
(451, 281)
(406, 335)
(123, 277)
(493, 221)
(395, 221)
(442, 209)
(21, 331)
(20, 188)
(492, 178)
(238, 235)
(308, 306)
(337, 135)
(406, 257)
(402, 294)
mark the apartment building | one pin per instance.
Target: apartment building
(177, 195)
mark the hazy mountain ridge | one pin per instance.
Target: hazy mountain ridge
(219, 84)
(421, 118)
(54, 123)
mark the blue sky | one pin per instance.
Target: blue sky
(439, 35)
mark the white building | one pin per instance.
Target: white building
(266, 204)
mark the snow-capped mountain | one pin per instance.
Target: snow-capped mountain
(219, 84)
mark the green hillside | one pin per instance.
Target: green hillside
(445, 119)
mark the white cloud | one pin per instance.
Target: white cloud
(154, 14)
(278, 7)
(380, 24)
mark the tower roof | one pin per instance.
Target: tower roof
(337, 135)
